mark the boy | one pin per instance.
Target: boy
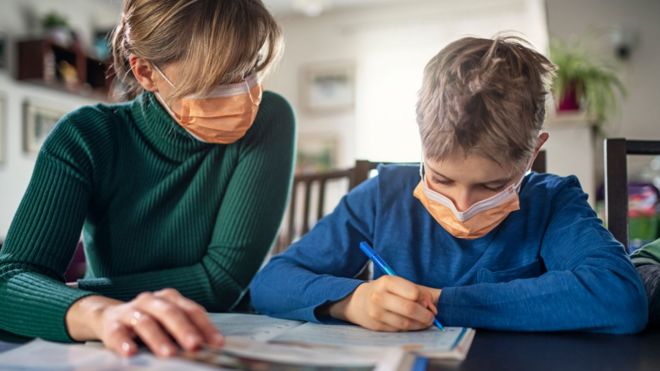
(476, 240)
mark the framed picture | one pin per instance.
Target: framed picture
(3, 133)
(38, 121)
(316, 153)
(328, 88)
(4, 44)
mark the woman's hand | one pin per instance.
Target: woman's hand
(161, 320)
(389, 304)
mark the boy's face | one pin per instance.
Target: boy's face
(468, 179)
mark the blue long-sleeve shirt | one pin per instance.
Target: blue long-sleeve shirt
(549, 266)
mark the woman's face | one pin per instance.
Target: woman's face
(468, 179)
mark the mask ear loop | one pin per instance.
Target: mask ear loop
(163, 75)
(249, 90)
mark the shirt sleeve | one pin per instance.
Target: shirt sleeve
(590, 283)
(649, 254)
(246, 225)
(318, 268)
(42, 238)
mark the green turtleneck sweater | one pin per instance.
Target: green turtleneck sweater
(157, 209)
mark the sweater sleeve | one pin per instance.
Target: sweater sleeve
(590, 283)
(647, 262)
(318, 268)
(42, 238)
(246, 224)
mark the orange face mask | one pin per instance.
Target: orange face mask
(223, 116)
(475, 222)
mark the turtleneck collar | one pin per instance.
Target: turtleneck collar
(161, 131)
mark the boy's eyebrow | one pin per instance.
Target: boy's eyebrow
(494, 181)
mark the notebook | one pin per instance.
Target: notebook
(453, 343)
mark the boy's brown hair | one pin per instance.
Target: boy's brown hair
(484, 97)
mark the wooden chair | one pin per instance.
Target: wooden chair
(307, 184)
(616, 181)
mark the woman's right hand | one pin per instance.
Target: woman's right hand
(155, 318)
(389, 304)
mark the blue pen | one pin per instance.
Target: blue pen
(371, 254)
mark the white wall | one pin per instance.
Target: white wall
(390, 44)
(15, 171)
(594, 21)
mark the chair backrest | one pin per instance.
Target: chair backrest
(312, 186)
(616, 181)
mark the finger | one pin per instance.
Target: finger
(401, 323)
(120, 340)
(378, 325)
(173, 319)
(402, 287)
(150, 333)
(197, 315)
(406, 308)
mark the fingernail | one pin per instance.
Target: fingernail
(193, 340)
(218, 339)
(166, 351)
(126, 348)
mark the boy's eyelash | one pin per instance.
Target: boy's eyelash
(498, 188)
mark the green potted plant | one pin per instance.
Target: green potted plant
(584, 84)
(57, 28)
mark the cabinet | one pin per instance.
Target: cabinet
(69, 68)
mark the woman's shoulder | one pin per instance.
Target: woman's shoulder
(275, 117)
(91, 120)
(275, 103)
(84, 134)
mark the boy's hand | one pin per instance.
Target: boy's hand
(389, 304)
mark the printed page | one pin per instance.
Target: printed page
(430, 340)
(251, 326)
(44, 355)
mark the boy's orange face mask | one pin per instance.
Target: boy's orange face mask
(475, 222)
(223, 116)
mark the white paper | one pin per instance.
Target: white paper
(432, 339)
(251, 326)
(44, 355)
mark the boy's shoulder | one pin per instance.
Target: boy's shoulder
(395, 177)
(549, 183)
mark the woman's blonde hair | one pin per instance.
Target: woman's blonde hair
(484, 97)
(216, 41)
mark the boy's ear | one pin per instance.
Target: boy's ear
(543, 137)
(143, 72)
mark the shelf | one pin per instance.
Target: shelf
(65, 68)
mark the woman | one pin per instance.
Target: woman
(179, 192)
(476, 240)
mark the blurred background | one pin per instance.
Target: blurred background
(352, 68)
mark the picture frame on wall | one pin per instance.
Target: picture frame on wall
(4, 44)
(328, 87)
(38, 121)
(316, 153)
(3, 129)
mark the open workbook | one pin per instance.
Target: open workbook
(256, 337)
(265, 343)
